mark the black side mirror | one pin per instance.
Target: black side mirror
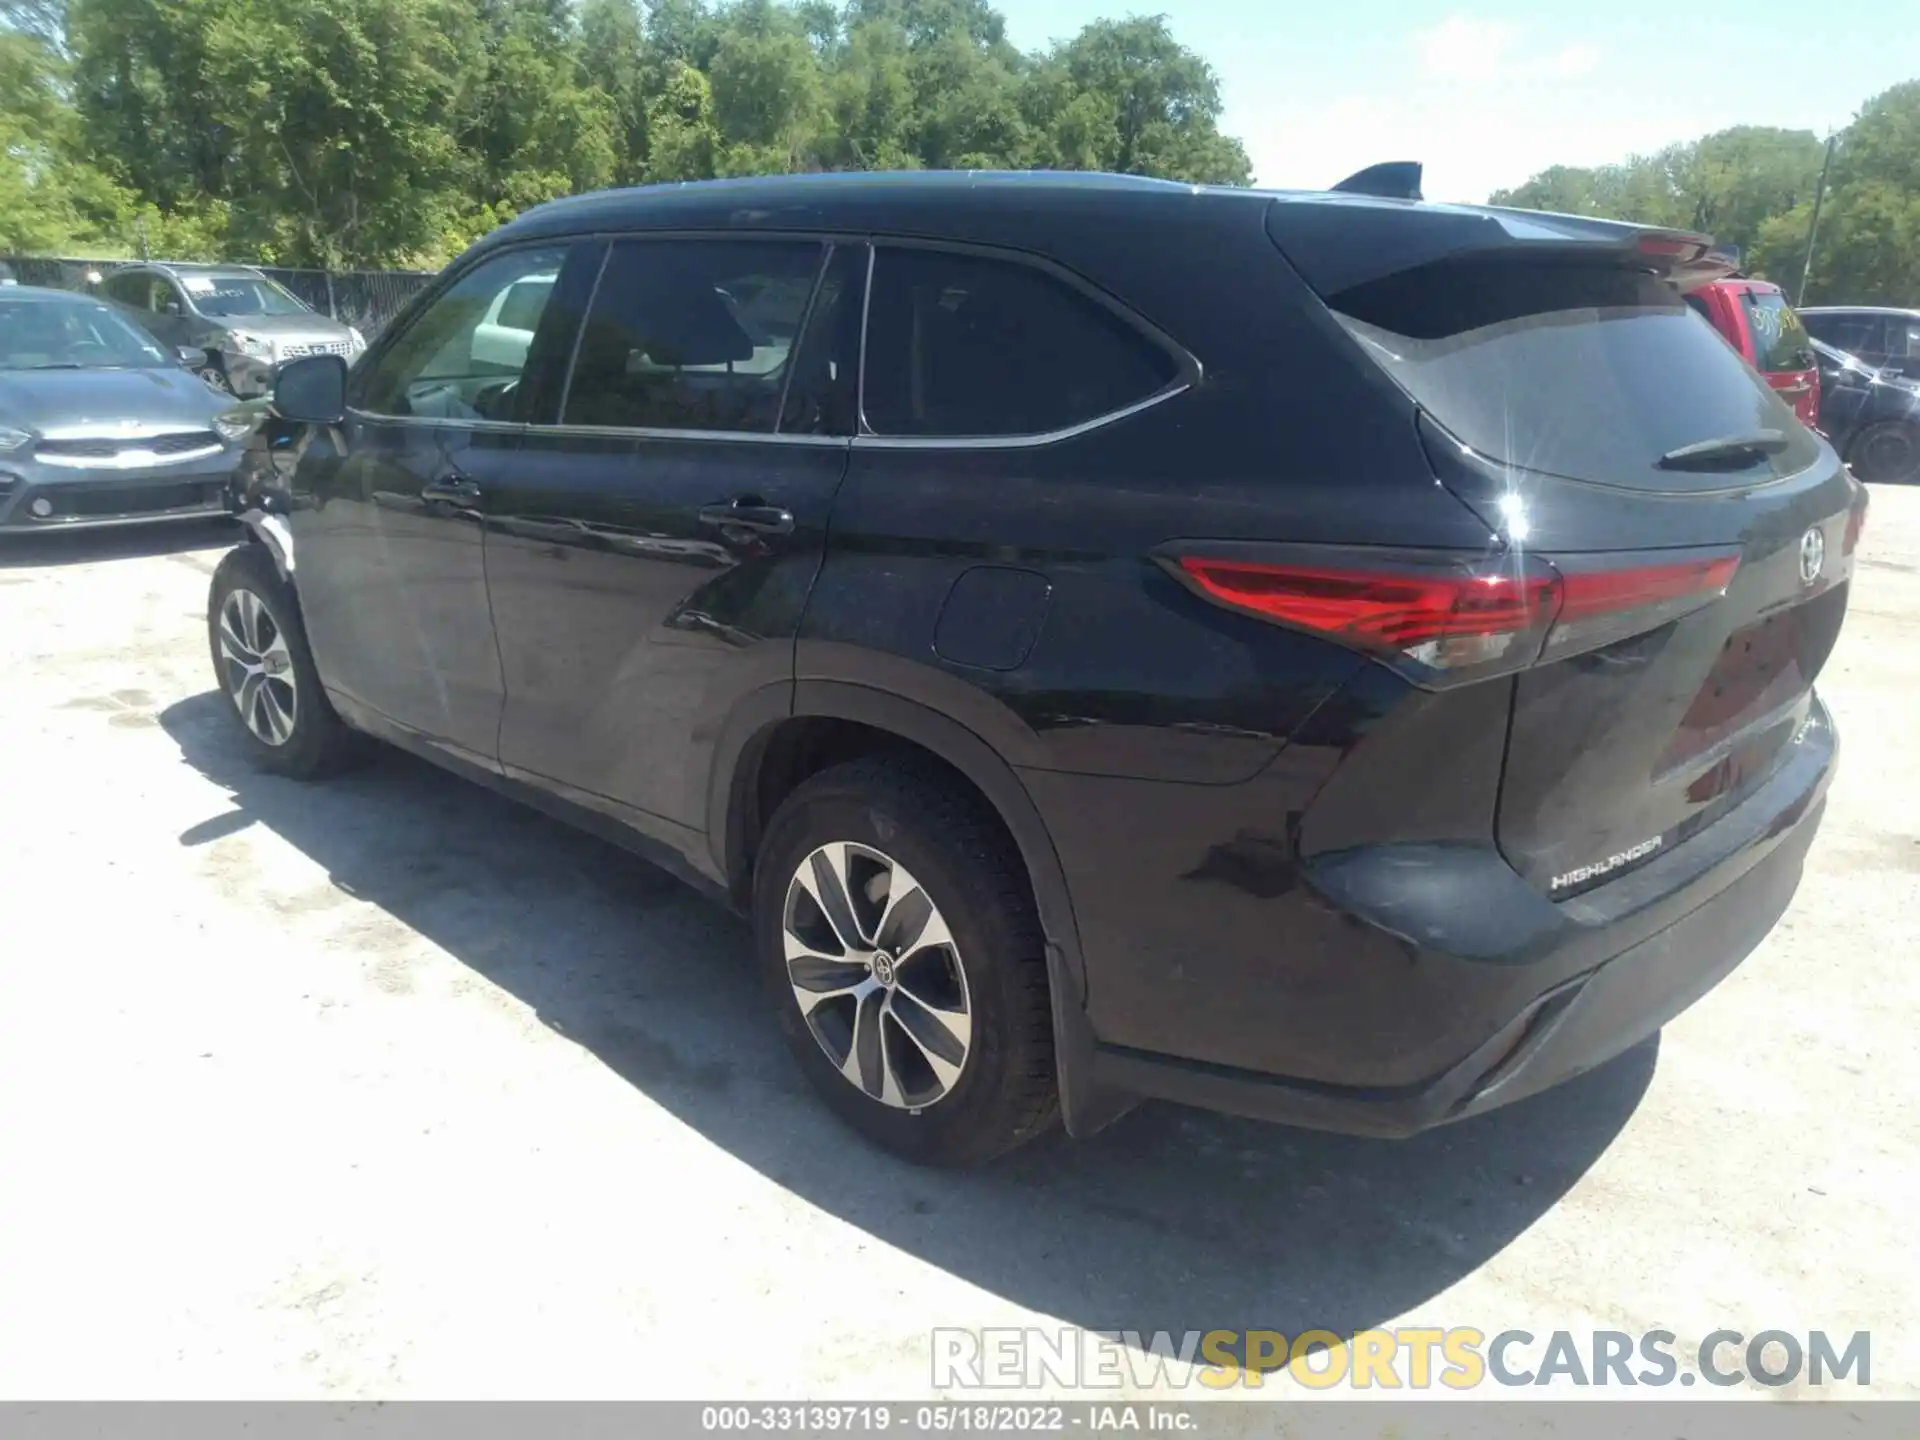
(312, 390)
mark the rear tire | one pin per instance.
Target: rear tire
(1887, 453)
(265, 670)
(930, 1029)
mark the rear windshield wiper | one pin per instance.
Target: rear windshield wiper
(1727, 451)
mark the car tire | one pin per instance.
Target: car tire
(215, 375)
(1886, 453)
(265, 670)
(980, 999)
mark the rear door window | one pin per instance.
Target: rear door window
(964, 345)
(692, 334)
(1779, 339)
(1588, 371)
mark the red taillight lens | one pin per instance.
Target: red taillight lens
(1380, 609)
(1856, 522)
(1446, 617)
(1608, 592)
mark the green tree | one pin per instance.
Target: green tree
(1124, 95)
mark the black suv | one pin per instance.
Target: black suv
(1323, 656)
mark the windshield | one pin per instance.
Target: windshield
(229, 295)
(71, 335)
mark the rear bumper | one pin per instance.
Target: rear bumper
(1583, 980)
(85, 500)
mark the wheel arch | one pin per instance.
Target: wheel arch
(843, 720)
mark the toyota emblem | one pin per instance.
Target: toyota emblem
(1813, 555)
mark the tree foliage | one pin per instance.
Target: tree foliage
(383, 132)
(1753, 186)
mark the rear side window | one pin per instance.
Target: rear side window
(1779, 339)
(961, 345)
(1588, 371)
(1855, 334)
(692, 334)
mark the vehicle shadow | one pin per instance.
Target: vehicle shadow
(40, 549)
(1170, 1220)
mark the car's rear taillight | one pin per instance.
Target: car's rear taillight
(1442, 617)
(1856, 522)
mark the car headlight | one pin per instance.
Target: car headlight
(259, 347)
(356, 339)
(234, 425)
(12, 439)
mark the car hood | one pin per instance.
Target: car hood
(62, 403)
(283, 327)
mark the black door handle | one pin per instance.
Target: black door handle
(453, 490)
(748, 513)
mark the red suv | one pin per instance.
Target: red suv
(1753, 316)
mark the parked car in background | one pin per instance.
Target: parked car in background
(246, 325)
(1884, 337)
(1871, 416)
(1417, 715)
(99, 423)
(1753, 316)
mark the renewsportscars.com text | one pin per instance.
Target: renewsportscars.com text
(1409, 1357)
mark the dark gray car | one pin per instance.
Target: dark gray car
(99, 423)
(246, 324)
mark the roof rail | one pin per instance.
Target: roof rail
(1390, 180)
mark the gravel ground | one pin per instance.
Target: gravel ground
(388, 1088)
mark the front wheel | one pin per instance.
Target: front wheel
(215, 374)
(897, 936)
(265, 670)
(1887, 453)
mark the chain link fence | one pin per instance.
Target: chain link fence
(366, 299)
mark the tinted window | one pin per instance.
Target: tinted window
(1906, 341)
(692, 334)
(521, 306)
(447, 364)
(1855, 334)
(961, 345)
(134, 290)
(823, 386)
(1591, 372)
(1779, 339)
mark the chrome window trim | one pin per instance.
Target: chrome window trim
(1189, 371)
(639, 432)
(436, 422)
(1019, 442)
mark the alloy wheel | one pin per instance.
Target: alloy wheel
(877, 975)
(259, 667)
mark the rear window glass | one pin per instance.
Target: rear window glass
(963, 345)
(1779, 339)
(1592, 372)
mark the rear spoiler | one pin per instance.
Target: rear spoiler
(1348, 237)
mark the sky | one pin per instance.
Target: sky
(1485, 95)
